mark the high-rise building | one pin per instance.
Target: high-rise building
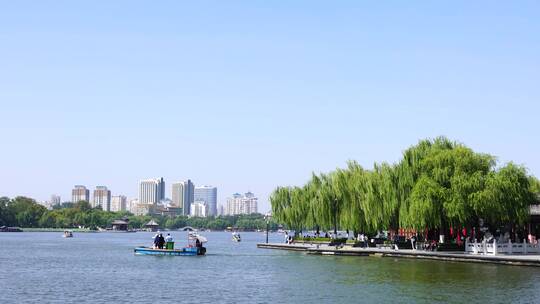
(207, 194)
(132, 205)
(221, 210)
(144, 209)
(80, 193)
(45, 204)
(183, 195)
(233, 204)
(118, 203)
(102, 197)
(176, 194)
(241, 204)
(199, 209)
(151, 191)
(55, 200)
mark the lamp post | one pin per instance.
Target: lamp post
(335, 217)
(267, 218)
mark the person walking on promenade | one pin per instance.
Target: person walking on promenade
(361, 239)
(413, 242)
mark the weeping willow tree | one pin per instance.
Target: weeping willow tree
(506, 196)
(437, 184)
(534, 186)
(409, 172)
(329, 198)
(290, 206)
(280, 202)
(353, 214)
(449, 176)
(381, 200)
(313, 199)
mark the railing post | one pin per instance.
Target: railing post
(510, 246)
(524, 246)
(475, 248)
(484, 246)
(494, 247)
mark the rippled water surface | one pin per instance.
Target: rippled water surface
(101, 268)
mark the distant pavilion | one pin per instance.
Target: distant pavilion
(151, 226)
(120, 225)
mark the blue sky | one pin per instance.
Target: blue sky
(248, 95)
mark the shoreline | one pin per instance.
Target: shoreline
(502, 259)
(57, 230)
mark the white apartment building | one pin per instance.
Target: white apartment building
(132, 205)
(199, 209)
(151, 191)
(102, 197)
(241, 204)
(80, 193)
(118, 203)
(143, 209)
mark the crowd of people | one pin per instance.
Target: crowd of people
(428, 241)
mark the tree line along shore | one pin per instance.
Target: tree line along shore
(25, 212)
(438, 187)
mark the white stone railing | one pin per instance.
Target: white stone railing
(501, 248)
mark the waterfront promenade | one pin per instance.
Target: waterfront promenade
(507, 259)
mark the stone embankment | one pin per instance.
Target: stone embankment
(506, 259)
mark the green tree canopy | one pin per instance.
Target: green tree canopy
(437, 184)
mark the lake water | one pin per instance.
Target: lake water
(102, 268)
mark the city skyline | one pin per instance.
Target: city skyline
(150, 187)
(225, 95)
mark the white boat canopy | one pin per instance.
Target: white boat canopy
(193, 236)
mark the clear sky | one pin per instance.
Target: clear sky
(248, 95)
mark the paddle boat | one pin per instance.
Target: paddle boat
(236, 237)
(194, 248)
(68, 234)
(10, 229)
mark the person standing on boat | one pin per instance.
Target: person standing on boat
(169, 244)
(161, 241)
(156, 240)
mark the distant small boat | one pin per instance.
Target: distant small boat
(10, 229)
(68, 234)
(236, 237)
